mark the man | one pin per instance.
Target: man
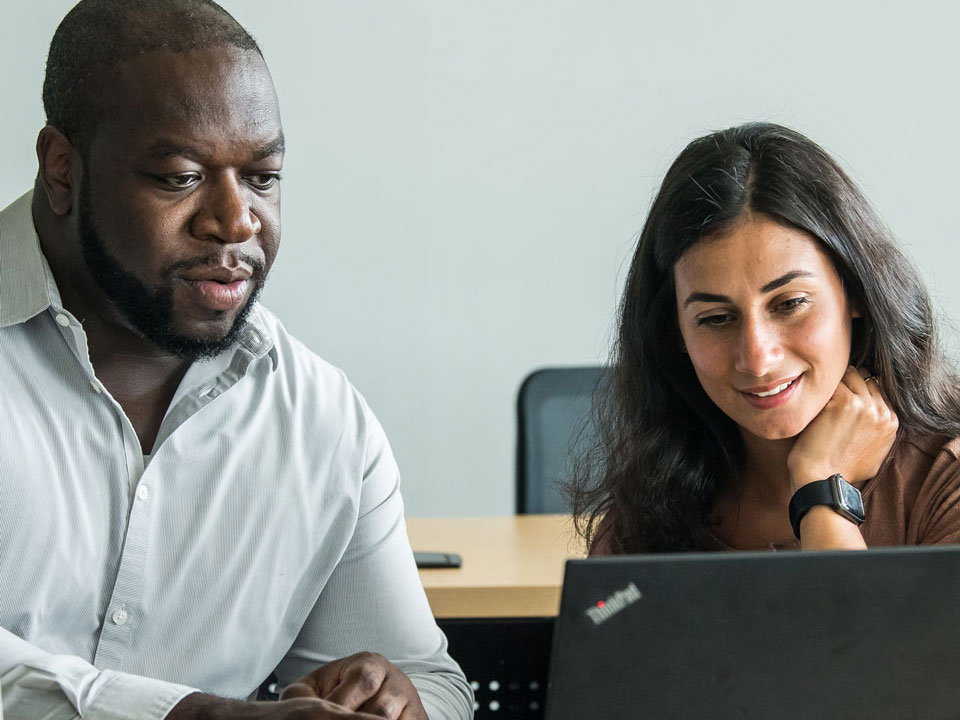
(189, 499)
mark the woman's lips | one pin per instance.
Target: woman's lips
(772, 397)
(219, 295)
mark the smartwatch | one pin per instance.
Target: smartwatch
(835, 492)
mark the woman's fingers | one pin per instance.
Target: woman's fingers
(852, 434)
(863, 382)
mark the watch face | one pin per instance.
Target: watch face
(850, 498)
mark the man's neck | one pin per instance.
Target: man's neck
(144, 383)
(141, 376)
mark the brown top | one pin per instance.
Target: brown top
(913, 500)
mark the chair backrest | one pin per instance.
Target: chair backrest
(554, 425)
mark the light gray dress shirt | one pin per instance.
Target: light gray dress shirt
(265, 530)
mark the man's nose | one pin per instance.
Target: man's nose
(225, 214)
(760, 348)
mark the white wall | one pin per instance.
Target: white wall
(464, 180)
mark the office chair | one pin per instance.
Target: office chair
(554, 425)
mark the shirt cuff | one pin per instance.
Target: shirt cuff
(445, 696)
(131, 697)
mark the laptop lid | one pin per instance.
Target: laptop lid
(856, 634)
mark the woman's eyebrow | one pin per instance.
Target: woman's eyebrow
(784, 279)
(704, 297)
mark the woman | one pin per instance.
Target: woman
(776, 366)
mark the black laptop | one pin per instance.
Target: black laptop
(859, 634)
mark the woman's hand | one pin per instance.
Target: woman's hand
(851, 436)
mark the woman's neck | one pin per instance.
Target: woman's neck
(764, 475)
(751, 511)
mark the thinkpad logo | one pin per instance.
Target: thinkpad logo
(620, 600)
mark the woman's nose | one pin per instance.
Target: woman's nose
(760, 348)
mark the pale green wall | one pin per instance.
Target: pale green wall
(465, 179)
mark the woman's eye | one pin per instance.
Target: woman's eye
(791, 305)
(713, 320)
(264, 181)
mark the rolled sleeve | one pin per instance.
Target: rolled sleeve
(36, 685)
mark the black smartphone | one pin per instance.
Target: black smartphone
(437, 560)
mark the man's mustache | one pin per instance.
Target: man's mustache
(214, 260)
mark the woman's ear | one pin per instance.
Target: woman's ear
(56, 157)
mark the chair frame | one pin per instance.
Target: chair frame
(538, 385)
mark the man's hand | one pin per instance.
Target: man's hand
(209, 707)
(365, 682)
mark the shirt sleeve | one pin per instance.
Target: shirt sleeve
(374, 600)
(37, 685)
(937, 510)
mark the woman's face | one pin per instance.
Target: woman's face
(766, 324)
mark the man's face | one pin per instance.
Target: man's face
(179, 202)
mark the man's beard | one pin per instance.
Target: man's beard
(150, 310)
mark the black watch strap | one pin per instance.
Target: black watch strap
(835, 492)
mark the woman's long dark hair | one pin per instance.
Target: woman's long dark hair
(665, 449)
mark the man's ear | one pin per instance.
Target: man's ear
(57, 159)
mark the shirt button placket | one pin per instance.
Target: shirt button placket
(118, 625)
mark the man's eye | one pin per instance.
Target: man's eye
(263, 181)
(180, 181)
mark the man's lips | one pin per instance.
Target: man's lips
(219, 296)
(773, 394)
(217, 290)
(219, 274)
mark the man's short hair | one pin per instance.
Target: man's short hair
(98, 35)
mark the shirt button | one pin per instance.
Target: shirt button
(63, 320)
(143, 492)
(120, 617)
(96, 386)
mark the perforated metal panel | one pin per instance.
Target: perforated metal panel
(506, 662)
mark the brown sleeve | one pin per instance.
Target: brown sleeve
(604, 542)
(935, 518)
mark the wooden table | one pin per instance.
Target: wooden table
(512, 566)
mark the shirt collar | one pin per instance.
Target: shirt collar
(26, 283)
(256, 338)
(27, 286)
